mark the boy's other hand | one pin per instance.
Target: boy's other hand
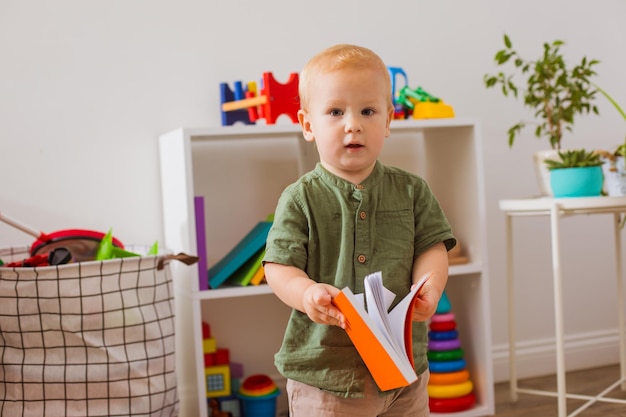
(425, 304)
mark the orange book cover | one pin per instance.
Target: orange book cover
(382, 338)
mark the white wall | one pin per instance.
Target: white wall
(86, 88)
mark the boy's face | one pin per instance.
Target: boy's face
(348, 118)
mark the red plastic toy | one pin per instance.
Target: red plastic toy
(273, 100)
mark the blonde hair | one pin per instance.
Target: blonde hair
(341, 57)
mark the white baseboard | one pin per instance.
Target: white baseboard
(538, 357)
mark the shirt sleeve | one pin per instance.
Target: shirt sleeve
(287, 241)
(431, 224)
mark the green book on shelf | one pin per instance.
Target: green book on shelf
(243, 275)
(246, 249)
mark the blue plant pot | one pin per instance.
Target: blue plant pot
(576, 182)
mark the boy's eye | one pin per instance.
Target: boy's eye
(367, 112)
(335, 112)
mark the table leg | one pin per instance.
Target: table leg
(558, 310)
(620, 298)
(511, 306)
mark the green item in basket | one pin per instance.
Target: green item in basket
(106, 249)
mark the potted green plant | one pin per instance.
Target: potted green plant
(556, 94)
(614, 167)
(576, 173)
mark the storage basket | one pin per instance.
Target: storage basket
(87, 339)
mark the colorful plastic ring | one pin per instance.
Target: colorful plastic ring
(445, 355)
(444, 344)
(450, 391)
(448, 378)
(437, 318)
(452, 405)
(450, 334)
(443, 326)
(447, 366)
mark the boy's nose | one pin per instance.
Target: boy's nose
(353, 125)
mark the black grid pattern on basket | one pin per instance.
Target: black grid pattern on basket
(87, 339)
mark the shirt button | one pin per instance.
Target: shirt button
(362, 215)
(361, 259)
(359, 187)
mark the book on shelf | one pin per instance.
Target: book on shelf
(258, 276)
(244, 250)
(198, 204)
(383, 338)
(243, 276)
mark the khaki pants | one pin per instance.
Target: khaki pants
(307, 401)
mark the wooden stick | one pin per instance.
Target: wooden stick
(244, 104)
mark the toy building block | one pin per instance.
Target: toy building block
(237, 115)
(209, 345)
(229, 406)
(222, 356)
(273, 100)
(236, 370)
(251, 92)
(428, 110)
(217, 381)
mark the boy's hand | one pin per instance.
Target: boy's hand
(317, 303)
(425, 304)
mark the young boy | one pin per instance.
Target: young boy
(347, 218)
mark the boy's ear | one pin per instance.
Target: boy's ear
(305, 124)
(389, 119)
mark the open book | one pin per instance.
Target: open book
(382, 338)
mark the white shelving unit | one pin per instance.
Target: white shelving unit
(241, 170)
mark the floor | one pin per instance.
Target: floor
(587, 382)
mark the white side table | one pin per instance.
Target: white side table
(557, 208)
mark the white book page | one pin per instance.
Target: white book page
(378, 300)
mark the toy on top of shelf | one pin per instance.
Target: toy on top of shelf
(400, 111)
(424, 105)
(227, 96)
(273, 100)
(415, 103)
(393, 73)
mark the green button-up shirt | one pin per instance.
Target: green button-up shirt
(338, 233)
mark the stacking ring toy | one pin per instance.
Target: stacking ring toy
(443, 326)
(451, 405)
(444, 344)
(448, 378)
(437, 318)
(450, 334)
(450, 391)
(444, 305)
(447, 366)
(257, 386)
(445, 355)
